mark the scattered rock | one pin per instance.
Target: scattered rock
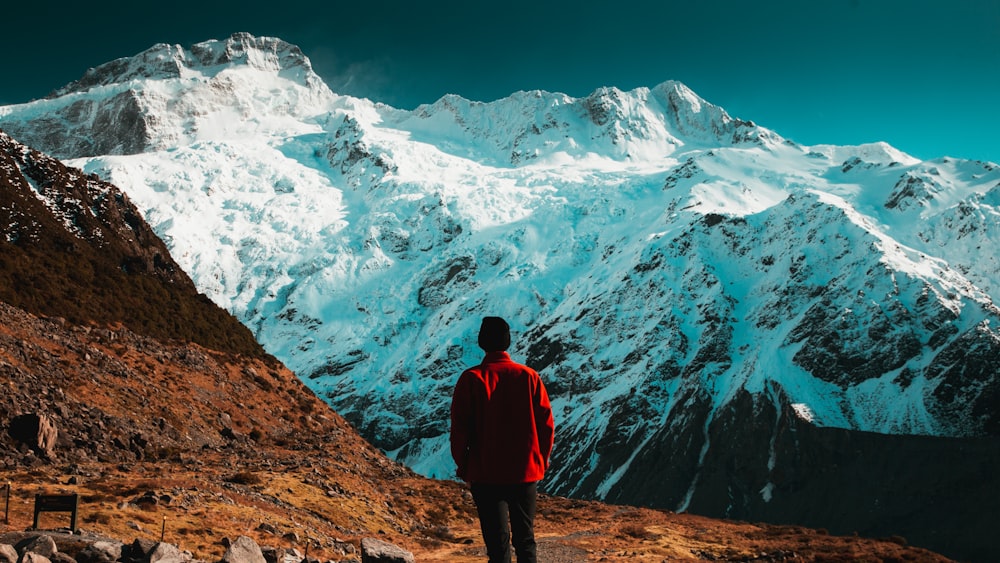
(99, 552)
(291, 537)
(243, 550)
(139, 551)
(167, 553)
(267, 529)
(344, 548)
(7, 553)
(42, 545)
(30, 557)
(290, 555)
(60, 557)
(378, 551)
(270, 554)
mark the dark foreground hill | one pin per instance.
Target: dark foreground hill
(75, 247)
(123, 385)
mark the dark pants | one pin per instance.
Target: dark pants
(506, 511)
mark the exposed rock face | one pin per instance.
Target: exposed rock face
(37, 431)
(164, 61)
(122, 121)
(760, 460)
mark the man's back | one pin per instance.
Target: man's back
(501, 422)
(501, 438)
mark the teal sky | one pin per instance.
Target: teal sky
(923, 76)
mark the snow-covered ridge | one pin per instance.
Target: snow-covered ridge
(164, 61)
(170, 96)
(659, 260)
(531, 127)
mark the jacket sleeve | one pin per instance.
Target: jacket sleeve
(544, 422)
(461, 425)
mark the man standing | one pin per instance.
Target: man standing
(501, 437)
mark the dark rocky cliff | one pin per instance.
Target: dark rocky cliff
(763, 462)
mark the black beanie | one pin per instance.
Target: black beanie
(494, 335)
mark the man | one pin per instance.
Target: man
(501, 437)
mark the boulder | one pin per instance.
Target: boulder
(30, 557)
(138, 551)
(37, 431)
(291, 555)
(378, 551)
(100, 552)
(7, 553)
(167, 553)
(243, 550)
(42, 545)
(277, 555)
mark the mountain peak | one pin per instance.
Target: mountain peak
(643, 124)
(165, 61)
(262, 53)
(169, 94)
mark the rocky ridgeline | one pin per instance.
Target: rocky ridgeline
(61, 547)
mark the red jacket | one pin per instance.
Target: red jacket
(501, 423)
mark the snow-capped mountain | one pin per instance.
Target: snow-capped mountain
(699, 294)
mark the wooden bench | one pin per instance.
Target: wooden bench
(57, 503)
